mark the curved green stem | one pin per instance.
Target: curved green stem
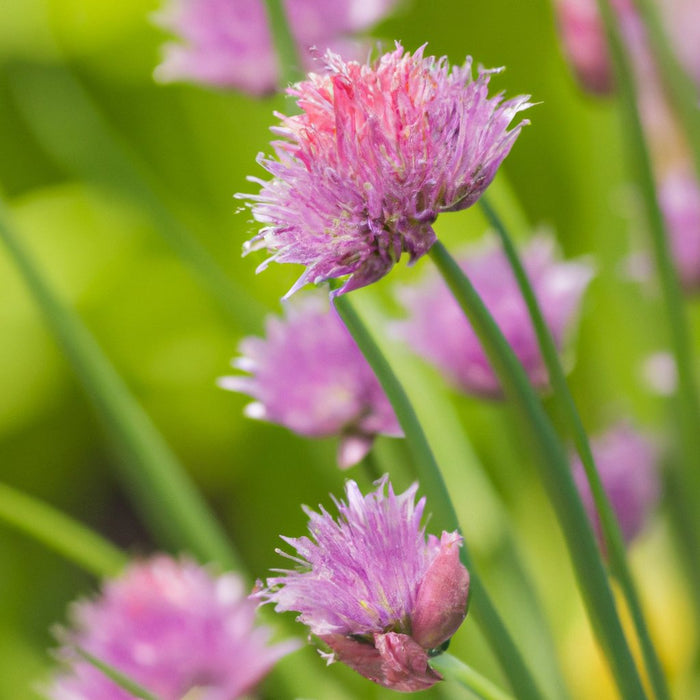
(115, 675)
(612, 534)
(162, 488)
(681, 87)
(283, 40)
(444, 516)
(556, 477)
(60, 532)
(455, 670)
(82, 140)
(687, 401)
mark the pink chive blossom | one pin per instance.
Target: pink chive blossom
(679, 198)
(371, 587)
(682, 20)
(171, 626)
(583, 40)
(678, 188)
(228, 43)
(437, 330)
(628, 466)
(309, 375)
(376, 154)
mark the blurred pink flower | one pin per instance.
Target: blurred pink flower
(376, 154)
(309, 375)
(679, 197)
(171, 626)
(437, 330)
(627, 463)
(228, 44)
(677, 183)
(583, 40)
(682, 21)
(373, 588)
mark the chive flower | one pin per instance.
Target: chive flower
(679, 198)
(308, 375)
(628, 466)
(584, 44)
(171, 626)
(375, 154)
(379, 594)
(228, 43)
(437, 330)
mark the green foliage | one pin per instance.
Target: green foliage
(79, 206)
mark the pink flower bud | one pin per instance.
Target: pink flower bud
(374, 588)
(441, 605)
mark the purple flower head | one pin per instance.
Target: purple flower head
(679, 197)
(583, 40)
(309, 375)
(171, 626)
(628, 466)
(376, 154)
(437, 330)
(228, 43)
(373, 588)
(682, 19)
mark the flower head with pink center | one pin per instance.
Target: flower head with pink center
(171, 626)
(373, 588)
(228, 43)
(437, 330)
(309, 375)
(627, 463)
(376, 154)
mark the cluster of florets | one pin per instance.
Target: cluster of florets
(437, 329)
(377, 152)
(628, 465)
(373, 588)
(171, 626)
(228, 43)
(309, 375)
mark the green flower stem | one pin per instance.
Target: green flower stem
(283, 40)
(69, 125)
(611, 530)
(444, 516)
(122, 680)
(682, 88)
(61, 533)
(480, 509)
(371, 467)
(161, 487)
(556, 476)
(687, 403)
(455, 670)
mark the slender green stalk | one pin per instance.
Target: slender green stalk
(687, 402)
(371, 468)
(69, 125)
(121, 679)
(444, 516)
(556, 477)
(486, 525)
(455, 670)
(682, 88)
(60, 532)
(163, 490)
(611, 530)
(285, 46)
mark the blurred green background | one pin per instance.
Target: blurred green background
(84, 132)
